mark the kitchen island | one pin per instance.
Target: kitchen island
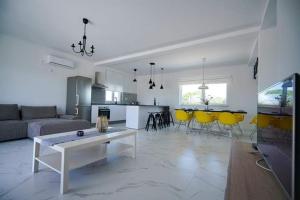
(137, 115)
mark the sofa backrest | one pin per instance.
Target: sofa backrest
(38, 112)
(9, 112)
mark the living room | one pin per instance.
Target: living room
(111, 100)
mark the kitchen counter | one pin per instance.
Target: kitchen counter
(137, 116)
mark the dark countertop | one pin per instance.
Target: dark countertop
(120, 104)
(211, 110)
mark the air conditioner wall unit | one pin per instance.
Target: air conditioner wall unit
(60, 62)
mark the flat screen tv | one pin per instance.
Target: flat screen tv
(278, 129)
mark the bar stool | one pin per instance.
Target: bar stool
(159, 119)
(167, 118)
(151, 121)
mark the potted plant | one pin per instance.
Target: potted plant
(205, 101)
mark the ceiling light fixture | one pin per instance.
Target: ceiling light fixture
(162, 78)
(151, 82)
(134, 79)
(82, 44)
(153, 75)
(203, 86)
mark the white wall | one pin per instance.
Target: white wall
(116, 80)
(242, 89)
(279, 42)
(26, 80)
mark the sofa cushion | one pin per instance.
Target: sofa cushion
(12, 129)
(38, 112)
(39, 127)
(9, 112)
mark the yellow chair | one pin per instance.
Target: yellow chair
(183, 117)
(215, 115)
(239, 116)
(263, 121)
(228, 119)
(204, 119)
(253, 122)
(286, 124)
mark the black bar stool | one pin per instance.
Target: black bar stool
(159, 120)
(151, 121)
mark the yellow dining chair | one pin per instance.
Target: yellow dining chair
(253, 122)
(240, 118)
(216, 118)
(286, 123)
(229, 120)
(204, 119)
(183, 117)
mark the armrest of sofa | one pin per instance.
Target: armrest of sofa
(62, 116)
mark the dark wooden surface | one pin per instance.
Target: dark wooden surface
(246, 181)
(230, 111)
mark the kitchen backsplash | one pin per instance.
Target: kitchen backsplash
(98, 96)
(128, 98)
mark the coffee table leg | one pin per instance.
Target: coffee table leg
(36, 153)
(64, 176)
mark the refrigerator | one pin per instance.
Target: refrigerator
(79, 97)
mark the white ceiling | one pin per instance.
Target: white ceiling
(225, 52)
(120, 27)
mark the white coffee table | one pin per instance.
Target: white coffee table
(78, 153)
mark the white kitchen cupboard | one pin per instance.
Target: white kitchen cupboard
(117, 112)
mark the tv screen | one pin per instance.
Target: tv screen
(277, 131)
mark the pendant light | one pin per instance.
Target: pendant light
(153, 75)
(203, 86)
(150, 81)
(162, 78)
(134, 79)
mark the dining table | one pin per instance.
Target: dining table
(212, 110)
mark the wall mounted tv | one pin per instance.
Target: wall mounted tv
(278, 129)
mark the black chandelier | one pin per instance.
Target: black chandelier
(82, 44)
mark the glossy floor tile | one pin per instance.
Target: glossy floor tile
(170, 164)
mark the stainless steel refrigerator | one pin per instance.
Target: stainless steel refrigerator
(79, 97)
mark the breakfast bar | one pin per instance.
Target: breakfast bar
(136, 116)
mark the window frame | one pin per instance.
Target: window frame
(113, 95)
(203, 92)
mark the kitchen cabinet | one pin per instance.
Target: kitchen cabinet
(117, 112)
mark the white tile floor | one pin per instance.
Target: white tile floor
(169, 165)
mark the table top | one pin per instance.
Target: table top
(211, 110)
(247, 181)
(85, 141)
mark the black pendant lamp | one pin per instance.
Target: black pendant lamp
(153, 75)
(151, 82)
(162, 78)
(134, 79)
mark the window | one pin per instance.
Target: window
(108, 95)
(111, 96)
(191, 95)
(117, 96)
